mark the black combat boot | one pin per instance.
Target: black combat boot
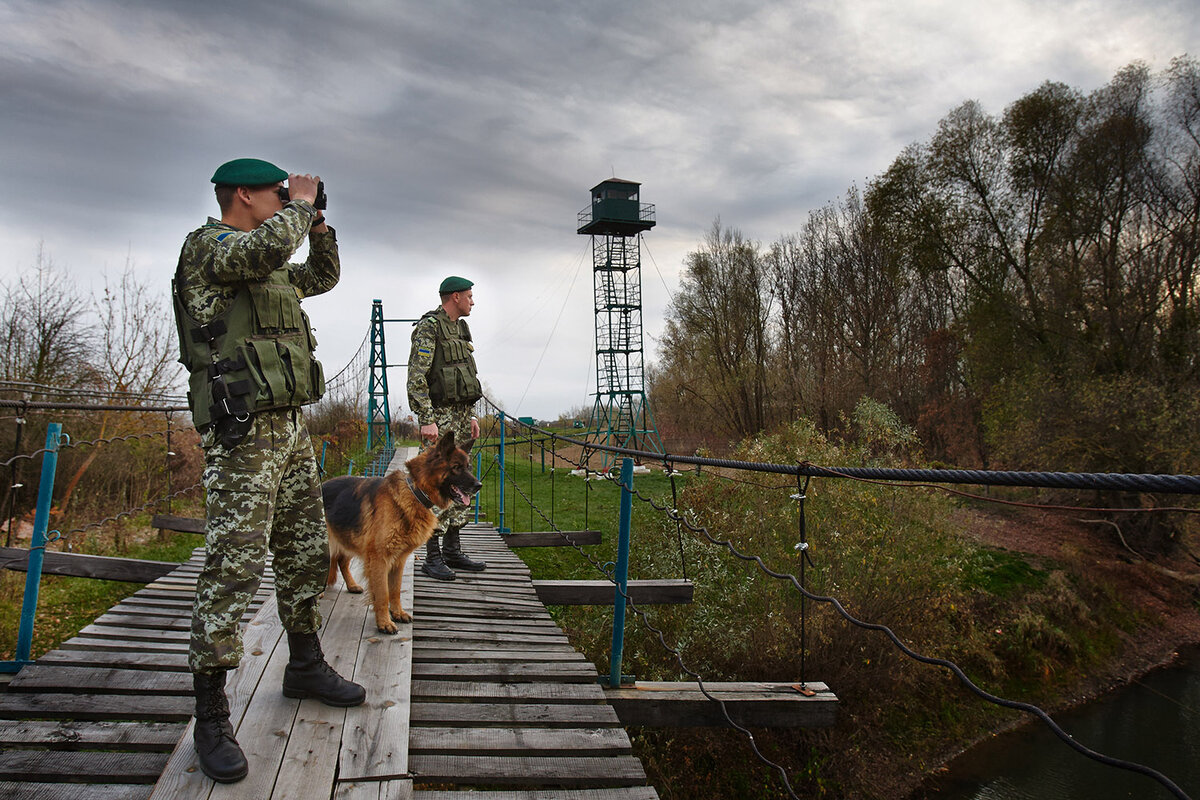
(434, 565)
(307, 675)
(220, 757)
(455, 557)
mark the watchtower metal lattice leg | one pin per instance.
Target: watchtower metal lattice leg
(621, 416)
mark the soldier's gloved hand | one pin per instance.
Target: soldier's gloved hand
(303, 187)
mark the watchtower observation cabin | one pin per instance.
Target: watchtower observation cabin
(615, 220)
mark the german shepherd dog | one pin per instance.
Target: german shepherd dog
(383, 520)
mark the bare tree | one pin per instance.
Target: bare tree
(717, 349)
(43, 322)
(136, 352)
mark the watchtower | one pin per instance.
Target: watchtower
(615, 220)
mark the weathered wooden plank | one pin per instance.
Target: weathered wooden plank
(46, 705)
(655, 591)
(120, 634)
(157, 737)
(80, 767)
(762, 705)
(542, 715)
(72, 791)
(171, 522)
(398, 789)
(375, 740)
(524, 770)
(312, 753)
(486, 692)
(92, 680)
(469, 655)
(483, 638)
(146, 622)
(82, 648)
(481, 608)
(542, 742)
(262, 719)
(616, 793)
(148, 602)
(76, 565)
(574, 672)
(181, 777)
(551, 538)
(531, 627)
(521, 595)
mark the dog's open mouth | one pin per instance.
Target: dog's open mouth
(459, 495)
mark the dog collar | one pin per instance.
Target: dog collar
(425, 501)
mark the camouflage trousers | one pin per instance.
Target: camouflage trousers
(262, 494)
(456, 418)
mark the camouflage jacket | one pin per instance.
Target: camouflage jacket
(424, 358)
(212, 267)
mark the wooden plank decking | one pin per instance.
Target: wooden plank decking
(483, 693)
(108, 706)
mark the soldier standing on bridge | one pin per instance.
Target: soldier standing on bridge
(442, 390)
(249, 349)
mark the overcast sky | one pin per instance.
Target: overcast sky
(463, 137)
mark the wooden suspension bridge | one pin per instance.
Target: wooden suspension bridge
(483, 693)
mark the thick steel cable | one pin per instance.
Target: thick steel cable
(1119, 481)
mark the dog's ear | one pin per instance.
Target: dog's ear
(467, 445)
(446, 443)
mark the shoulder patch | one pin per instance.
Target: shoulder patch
(221, 237)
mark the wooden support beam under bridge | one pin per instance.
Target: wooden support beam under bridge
(551, 538)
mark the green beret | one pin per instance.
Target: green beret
(454, 284)
(248, 172)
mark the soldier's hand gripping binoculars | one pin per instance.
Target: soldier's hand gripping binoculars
(319, 203)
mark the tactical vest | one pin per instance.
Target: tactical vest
(256, 355)
(452, 379)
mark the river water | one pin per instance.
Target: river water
(1154, 721)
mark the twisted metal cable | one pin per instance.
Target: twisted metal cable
(69, 444)
(1116, 481)
(128, 513)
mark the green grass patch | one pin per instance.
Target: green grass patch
(1000, 573)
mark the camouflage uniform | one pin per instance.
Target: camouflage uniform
(262, 492)
(455, 417)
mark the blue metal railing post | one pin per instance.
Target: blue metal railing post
(324, 447)
(37, 550)
(502, 528)
(621, 574)
(478, 477)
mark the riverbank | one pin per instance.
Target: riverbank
(1164, 592)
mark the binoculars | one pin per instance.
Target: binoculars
(319, 203)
